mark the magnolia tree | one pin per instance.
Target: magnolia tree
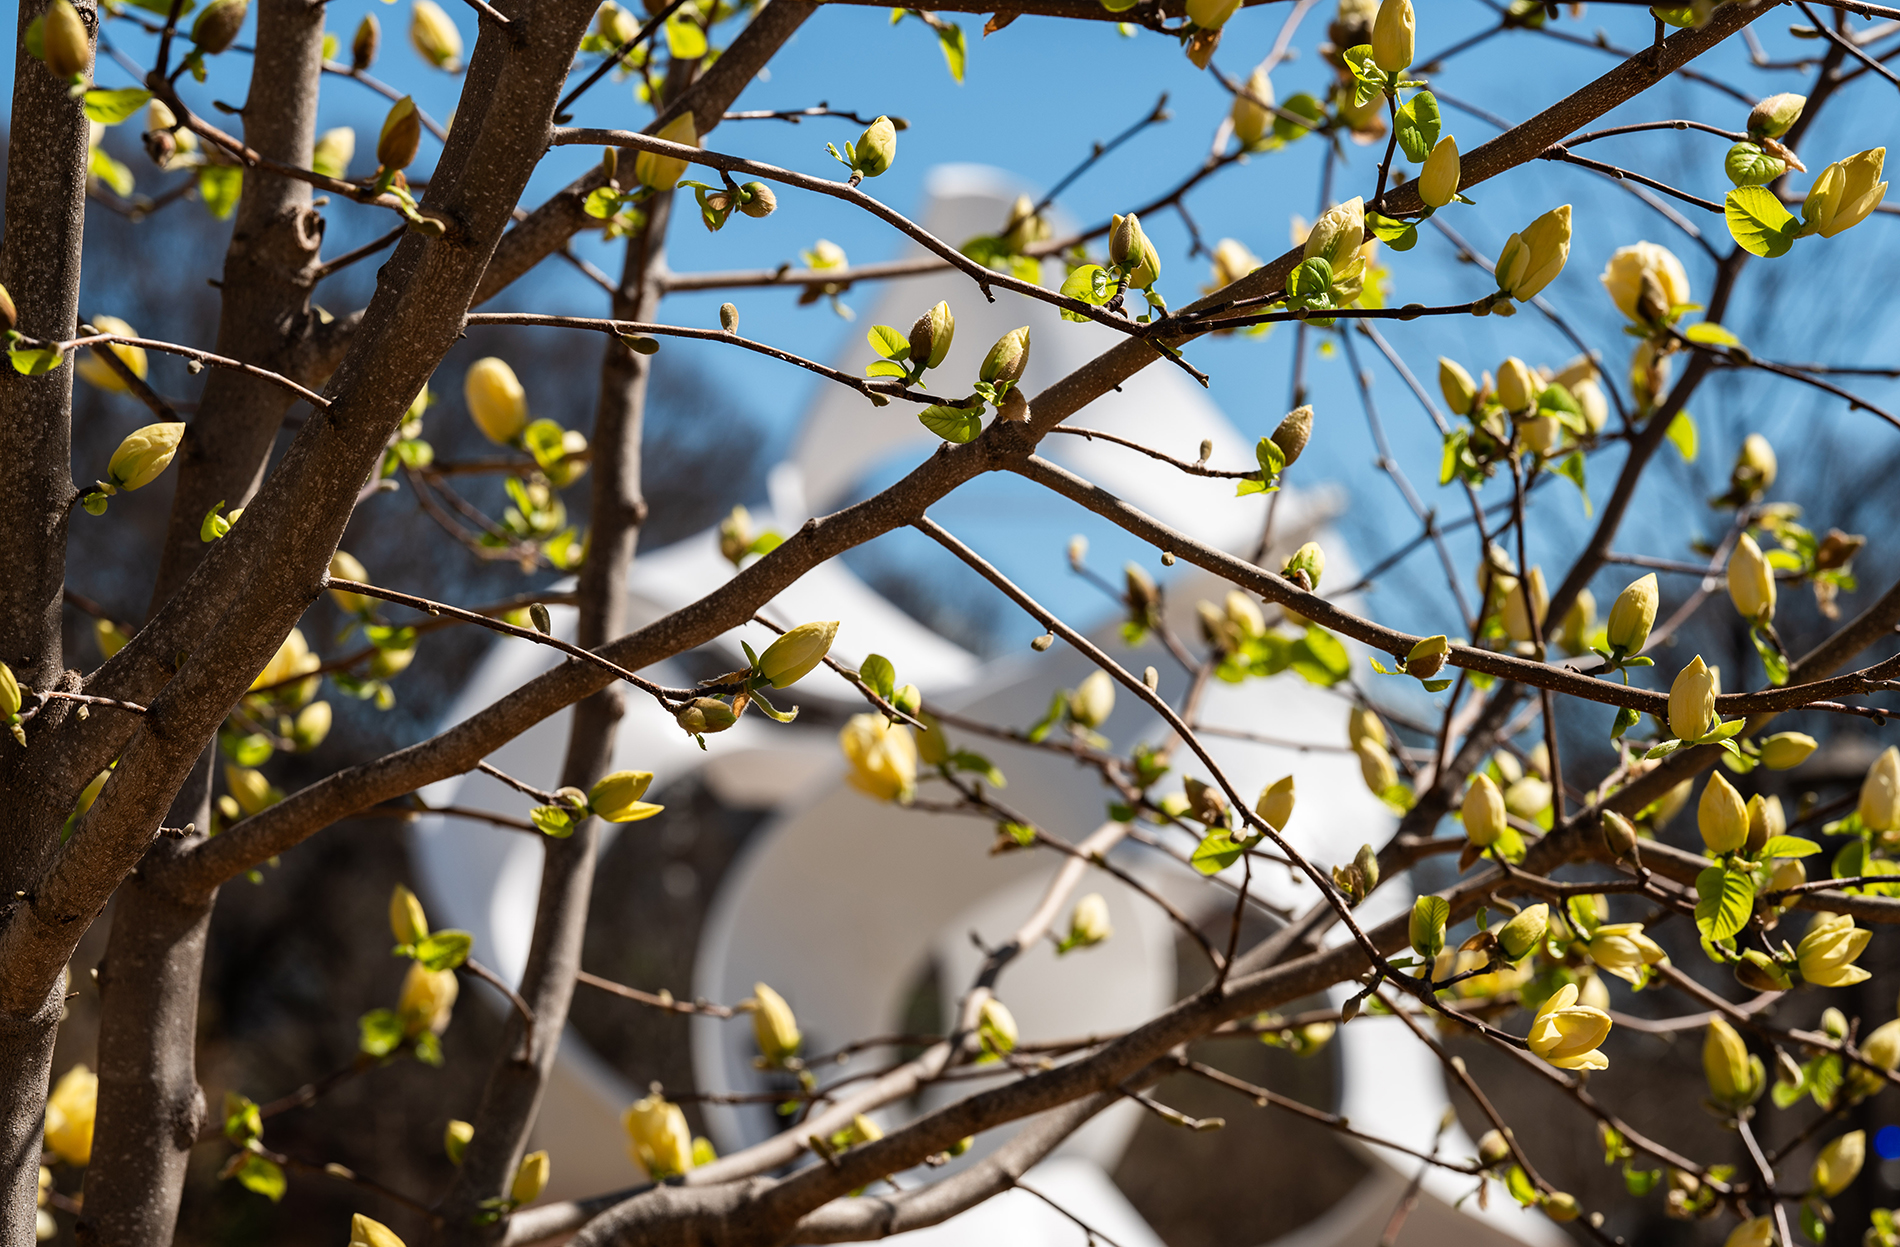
(147, 780)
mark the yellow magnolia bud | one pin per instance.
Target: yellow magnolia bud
(1844, 194)
(407, 922)
(1880, 793)
(1788, 873)
(1276, 803)
(1394, 33)
(364, 43)
(1692, 702)
(876, 148)
(343, 566)
(792, 656)
(1336, 238)
(1456, 385)
(1568, 1034)
(1766, 820)
(996, 1026)
(391, 662)
(1211, 14)
(1826, 953)
(70, 1110)
(531, 1178)
(705, 715)
(931, 335)
(1839, 1164)
(1751, 581)
(1562, 1206)
(434, 36)
(1882, 1049)
(1754, 1232)
(1633, 614)
(1252, 111)
(1493, 1148)
(1786, 750)
(1527, 797)
(427, 1000)
(248, 788)
(99, 374)
(455, 1139)
(1524, 620)
(1093, 700)
(1089, 924)
(658, 1138)
(10, 698)
(1362, 724)
(1521, 936)
(662, 173)
(1736, 1077)
(143, 455)
(367, 1233)
(65, 41)
(1438, 180)
(401, 135)
(1007, 358)
(496, 401)
(1530, 260)
(616, 797)
(1306, 566)
(1621, 948)
(1483, 812)
(1721, 816)
(1375, 767)
(1232, 261)
(882, 757)
(217, 27)
(333, 152)
(1774, 116)
(774, 1026)
(9, 314)
(1294, 430)
(1642, 266)
(1243, 614)
(1578, 620)
(293, 658)
(1754, 471)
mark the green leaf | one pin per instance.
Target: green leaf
(444, 950)
(553, 820)
(103, 167)
(33, 361)
(219, 186)
(1788, 846)
(252, 749)
(955, 51)
(1419, 124)
(1759, 222)
(602, 202)
(1300, 105)
(952, 424)
(109, 108)
(1711, 334)
(242, 1122)
(1396, 234)
(254, 1173)
(1518, 1183)
(1320, 658)
(1041, 727)
(1021, 833)
(1725, 898)
(888, 342)
(880, 675)
(1216, 852)
(1626, 719)
(684, 39)
(1640, 1182)
(977, 764)
(1682, 435)
(886, 368)
(1773, 661)
(1571, 469)
(379, 1033)
(1748, 165)
(428, 1048)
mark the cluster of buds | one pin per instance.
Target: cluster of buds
(1540, 411)
(1359, 877)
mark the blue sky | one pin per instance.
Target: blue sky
(1039, 92)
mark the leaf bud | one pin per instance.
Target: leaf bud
(792, 656)
(1438, 180)
(774, 1026)
(1692, 702)
(1618, 834)
(662, 173)
(1427, 927)
(496, 401)
(455, 1140)
(616, 797)
(1456, 385)
(1833, 1023)
(729, 318)
(909, 699)
(1394, 35)
(875, 148)
(1493, 1149)
(931, 334)
(401, 136)
(365, 42)
(996, 1027)
(1306, 566)
(1008, 358)
(1772, 117)
(143, 455)
(64, 40)
(1524, 933)
(1292, 435)
(1721, 816)
(217, 27)
(1276, 803)
(703, 715)
(757, 199)
(434, 36)
(1366, 863)
(1759, 972)
(1751, 581)
(1632, 615)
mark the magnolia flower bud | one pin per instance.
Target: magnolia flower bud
(333, 152)
(1531, 259)
(1366, 863)
(875, 148)
(996, 1026)
(1632, 615)
(407, 922)
(1882, 1049)
(1007, 358)
(1394, 33)
(662, 173)
(1211, 14)
(774, 1026)
(1517, 388)
(1293, 432)
(531, 1178)
(364, 43)
(1826, 953)
(1755, 468)
(1493, 1149)
(1618, 834)
(1691, 701)
(658, 1138)
(401, 136)
(1621, 948)
(1251, 113)
(1306, 566)
(343, 566)
(1276, 803)
(1336, 238)
(1129, 248)
(758, 200)
(1093, 700)
(1766, 820)
(931, 335)
(217, 27)
(1788, 874)
(143, 455)
(1456, 385)
(1773, 117)
(385, 663)
(367, 1233)
(101, 375)
(455, 1139)
(1483, 812)
(882, 757)
(427, 1000)
(616, 797)
(1427, 928)
(1524, 933)
(496, 401)
(1427, 658)
(1735, 1076)
(792, 656)
(1751, 581)
(9, 315)
(1844, 194)
(1089, 924)
(1362, 725)
(1646, 266)
(1523, 620)
(1578, 620)
(1880, 793)
(64, 40)
(705, 715)
(1568, 1034)
(1721, 816)
(1754, 1232)
(1438, 180)
(434, 36)
(1562, 1206)
(1839, 1164)
(9, 692)
(70, 1112)
(1375, 767)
